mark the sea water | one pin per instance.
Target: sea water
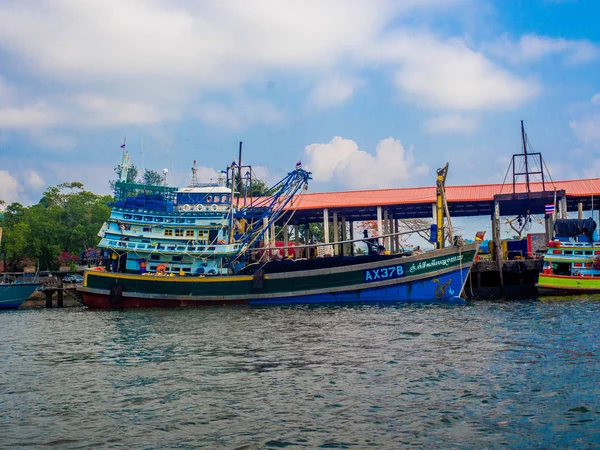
(481, 375)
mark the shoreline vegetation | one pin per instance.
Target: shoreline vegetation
(53, 232)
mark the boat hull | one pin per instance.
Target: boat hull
(564, 284)
(12, 296)
(437, 275)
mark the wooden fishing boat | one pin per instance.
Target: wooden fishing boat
(572, 259)
(15, 289)
(194, 246)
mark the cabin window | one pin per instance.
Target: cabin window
(146, 241)
(154, 257)
(168, 232)
(189, 233)
(147, 230)
(191, 220)
(137, 217)
(587, 252)
(148, 218)
(209, 199)
(179, 220)
(169, 220)
(186, 269)
(568, 252)
(178, 232)
(217, 199)
(158, 219)
(126, 216)
(177, 258)
(578, 252)
(224, 198)
(192, 249)
(562, 269)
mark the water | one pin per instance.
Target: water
(513, 375)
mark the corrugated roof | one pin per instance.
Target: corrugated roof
(455, 194)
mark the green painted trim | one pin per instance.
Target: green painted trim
(568, 283)
(322, 280)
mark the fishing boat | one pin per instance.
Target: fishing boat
(15, 289)
(572, 259)
(203, 245)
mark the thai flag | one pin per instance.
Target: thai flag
(299, 164)
(550, 209)
(124, 142)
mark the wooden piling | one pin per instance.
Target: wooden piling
(49, 298)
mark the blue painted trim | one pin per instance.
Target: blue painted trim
(446, 288)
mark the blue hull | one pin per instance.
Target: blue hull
(439, 288)
(12, 296)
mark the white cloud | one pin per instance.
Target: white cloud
(102, 110)
(332, 91)
(33, 180)
(596, 99)
(532, 47)
(31, 116)
(344, 163)
(450, 124)
(587, 129)
(10, 189)
(127, 72)
(200, 42)
(241, 113)
(449, 74)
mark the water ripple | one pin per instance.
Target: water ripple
(492, 375)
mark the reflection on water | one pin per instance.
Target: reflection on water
(519, 374)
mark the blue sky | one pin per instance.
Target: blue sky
(369, 94)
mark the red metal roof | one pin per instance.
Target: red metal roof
(406, 196)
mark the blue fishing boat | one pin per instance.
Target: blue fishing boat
(14, 290)
(200, 245)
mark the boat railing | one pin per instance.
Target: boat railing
(172, 248)
(332, 244)
(19, 277)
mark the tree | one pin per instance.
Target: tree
(152, 177)
(132, 174)
(66, 219)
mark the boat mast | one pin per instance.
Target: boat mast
(523, 138)
(440, 197)
(238, 180)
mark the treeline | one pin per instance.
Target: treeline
(65, 221)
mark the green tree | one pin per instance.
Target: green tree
(132, 174)
(66, 219)
(152, 177)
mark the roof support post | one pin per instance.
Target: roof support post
(397, 237)
(296, 240)
(562, 207)
(351, 237)
(308, 238)
(386, 228)
(286, 241)
(273, 240)
(336, 234)
(497, 242)
(379, 224)
(344, 236)
(326, 225)
(266, 238)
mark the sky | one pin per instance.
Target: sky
(367, 94)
